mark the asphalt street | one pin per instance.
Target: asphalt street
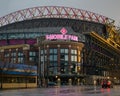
(63, 91)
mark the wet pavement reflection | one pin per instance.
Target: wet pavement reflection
(63, 91)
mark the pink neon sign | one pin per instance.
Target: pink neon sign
(63, 31)
(62, 36)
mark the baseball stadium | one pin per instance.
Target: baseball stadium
(57, 44)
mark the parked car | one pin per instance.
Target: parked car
(52, 84)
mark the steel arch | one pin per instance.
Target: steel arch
(53, 12)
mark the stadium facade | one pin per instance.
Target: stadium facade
(65, 45)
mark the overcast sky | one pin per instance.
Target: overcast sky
(109, 8)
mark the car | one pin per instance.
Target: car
(52, 84)
(106, 84)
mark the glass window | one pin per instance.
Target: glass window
(6, 54)
(29, 35)
(65, 63)
(53, 58)
(15, 35)
(51, 70)
(3, 36)
(74, 58)
(21, 35)
(20, 59)
(31, 58)
(20, 54)
(61, 50)
(55, 64)
(66, 50)
(73, 51)
(13, 60)
(53, 51)
(62, 56)
(43, 51)
(66, 57)
(32, 53)
(13, 54)
(51, 64)
(42, 58)
(55, 70)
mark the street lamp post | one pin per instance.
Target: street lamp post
(44, 66)
(41, 65)
(47, 69)
(39, 71)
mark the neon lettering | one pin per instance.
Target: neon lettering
(61, 37)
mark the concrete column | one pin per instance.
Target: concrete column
(70, 81)
(58, 82)
(78, 81)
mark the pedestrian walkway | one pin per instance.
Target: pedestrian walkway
(64, 91)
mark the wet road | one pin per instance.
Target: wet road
(63, 91)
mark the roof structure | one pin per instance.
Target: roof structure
(53, 12)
